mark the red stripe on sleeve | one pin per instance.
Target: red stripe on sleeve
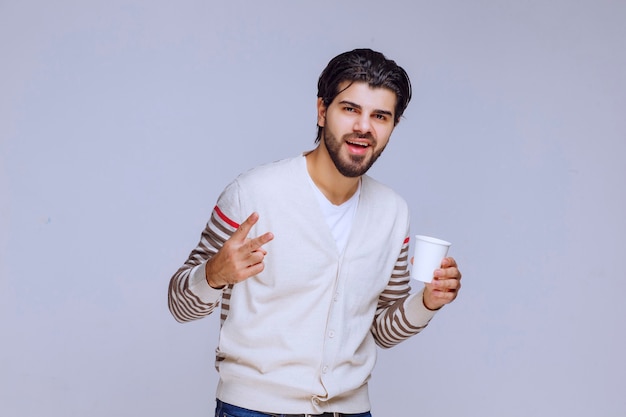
(406, 240)
(225, 218)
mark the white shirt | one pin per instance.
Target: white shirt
(338, 217)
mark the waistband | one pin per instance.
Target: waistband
(225, 409)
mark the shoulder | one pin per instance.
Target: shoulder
(276, 170)
(265, 181)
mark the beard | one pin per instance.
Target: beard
(354, 165)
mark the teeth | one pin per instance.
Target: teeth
(363, 145)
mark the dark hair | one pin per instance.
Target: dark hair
(367, 66)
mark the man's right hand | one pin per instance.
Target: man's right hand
(240, 258)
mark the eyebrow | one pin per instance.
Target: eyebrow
(357, 106)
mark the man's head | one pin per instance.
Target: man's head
(364, 65)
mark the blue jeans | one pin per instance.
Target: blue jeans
(229, 410)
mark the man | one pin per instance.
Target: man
(308, 258)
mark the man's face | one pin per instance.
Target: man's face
(357, 126)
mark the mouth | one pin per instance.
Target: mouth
(358, 146)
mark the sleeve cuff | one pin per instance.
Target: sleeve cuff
(416, 312)
(200, 287)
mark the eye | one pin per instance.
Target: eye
(379, 116)
(349, 109)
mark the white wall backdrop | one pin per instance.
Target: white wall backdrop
(121, 121)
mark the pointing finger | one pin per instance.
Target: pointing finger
(244, 228)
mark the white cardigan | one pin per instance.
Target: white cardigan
(300, 337)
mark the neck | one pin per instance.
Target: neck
(336, 187)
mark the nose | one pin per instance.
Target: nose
(363, 124)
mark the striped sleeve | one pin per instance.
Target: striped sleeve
(391, 323)
(190, 299)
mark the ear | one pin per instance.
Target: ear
(321, 112)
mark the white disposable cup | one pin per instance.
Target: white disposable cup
(427, 256)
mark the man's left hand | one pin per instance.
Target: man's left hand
(445, 285)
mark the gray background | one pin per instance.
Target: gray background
(120, 123)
